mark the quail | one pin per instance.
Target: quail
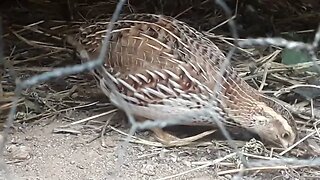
(165, 69)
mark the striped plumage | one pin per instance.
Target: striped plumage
(165, 69)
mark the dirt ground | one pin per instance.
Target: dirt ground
(36, 152)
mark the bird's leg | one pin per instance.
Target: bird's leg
(171, 140)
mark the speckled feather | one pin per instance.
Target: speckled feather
(164, 68)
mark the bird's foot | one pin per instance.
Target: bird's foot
(171, 140)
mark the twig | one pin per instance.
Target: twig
(216, 161)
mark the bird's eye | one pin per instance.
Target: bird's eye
(285, 135)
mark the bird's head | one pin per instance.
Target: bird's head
(273, 125)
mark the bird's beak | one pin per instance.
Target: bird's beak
(285, 144)
(282, 144)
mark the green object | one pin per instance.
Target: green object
(292, 56)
